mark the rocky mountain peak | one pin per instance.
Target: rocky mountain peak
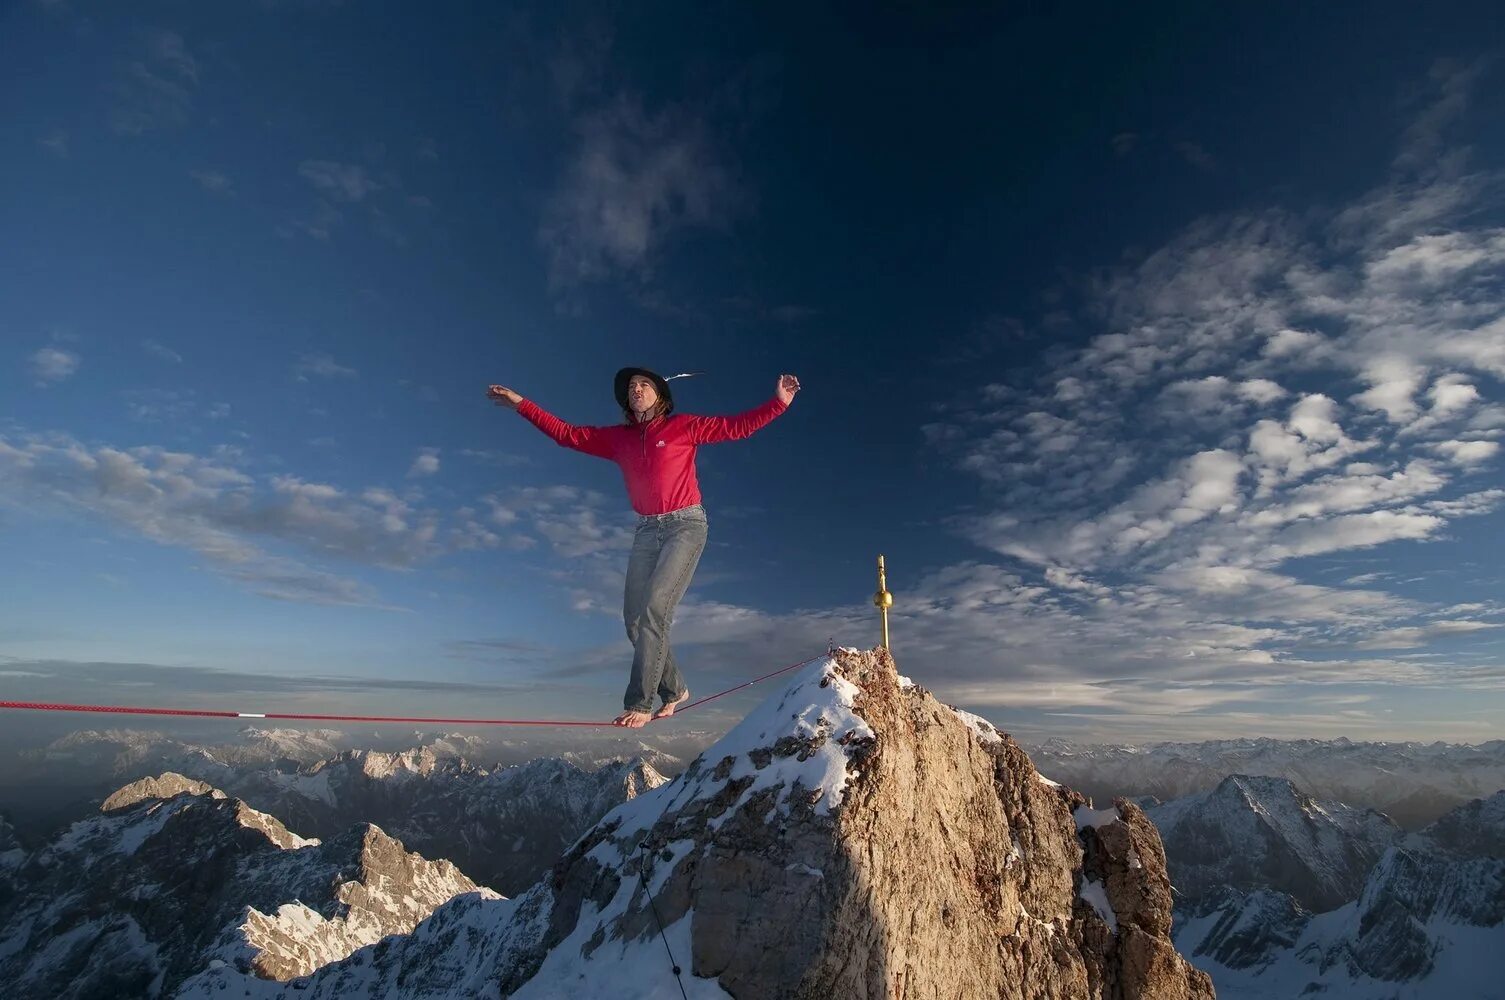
(164, 786)
(1256, 832)
(852, 836)
(380, 764)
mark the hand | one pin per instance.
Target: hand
(787, 387)
(503, 396)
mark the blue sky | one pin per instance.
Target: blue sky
(1163, 360)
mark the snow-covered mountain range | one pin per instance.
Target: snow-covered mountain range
(1252, 833)
(849, 830)
(835, 843)
(1412, 783)
(44, 790)
(1283, 895)
(503, 826)
(173, 877)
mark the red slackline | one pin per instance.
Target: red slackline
(304, 717)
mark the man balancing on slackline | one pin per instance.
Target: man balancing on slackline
(655, 450)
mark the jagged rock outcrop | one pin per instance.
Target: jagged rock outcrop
(131, 902)
(852, 837)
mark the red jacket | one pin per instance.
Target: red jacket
(657, 459)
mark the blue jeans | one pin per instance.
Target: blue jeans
(665, 552)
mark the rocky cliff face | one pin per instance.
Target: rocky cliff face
(174, 875)
(853, 837)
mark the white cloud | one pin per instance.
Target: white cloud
(162, 351)
(1204, 394)
(340, 181)
(1394, 382)
(1266, 389)
(1415, 637)
(1350, 531)
(636, 180)
(425, 464)
(49, 365)
(1310, 440)
(176, 406)
(1452, 394)
(321, 365)
(1468, 452)
(1287, 343)
(154, 90)
(1437, 259)
(1349, 491)
(1260, 390)
(575, 522)
(216, 509)
(56, 143)
(213, 181)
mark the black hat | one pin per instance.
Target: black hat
(625, 375)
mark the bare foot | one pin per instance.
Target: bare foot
(670, 706)
(632, 720)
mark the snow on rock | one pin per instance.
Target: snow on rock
(981, 728)
(1094, 818)
(847, 832)
(1096, 895)
(101, 910)
(800, 744)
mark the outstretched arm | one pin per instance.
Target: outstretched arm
(590, 440)
(713, 430)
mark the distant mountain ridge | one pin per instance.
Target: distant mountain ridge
(1412, 783)
(503, 826)
(48, 788)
